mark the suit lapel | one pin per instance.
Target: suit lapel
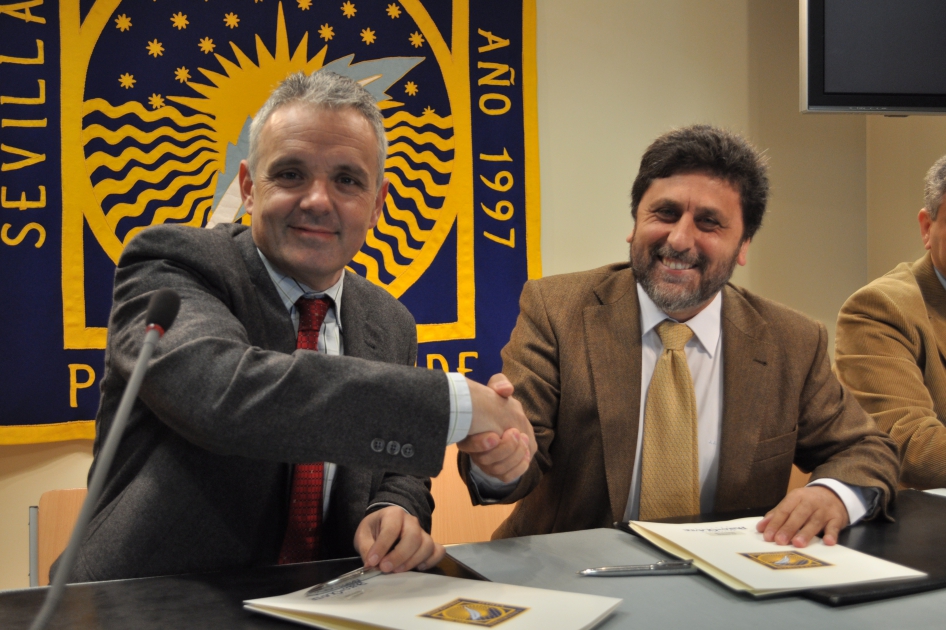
(276, 324)
(934, 295)
(361, 336)
(613, 338)
(746, 381)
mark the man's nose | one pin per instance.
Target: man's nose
(317, 197)
(682, 235)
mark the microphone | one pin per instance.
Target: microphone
(162, 309)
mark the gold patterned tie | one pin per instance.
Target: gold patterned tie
(670, 469)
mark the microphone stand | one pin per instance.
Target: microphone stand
(103, 463)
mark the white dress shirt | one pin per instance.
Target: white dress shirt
(330, 343)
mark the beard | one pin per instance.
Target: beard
(671, 294)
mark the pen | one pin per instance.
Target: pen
(362, 573)
(680, 567)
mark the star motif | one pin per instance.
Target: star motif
(417, 40)
(231, 20)
(326, 32)
(367, 36)
(428, 111)
(156, 101)
(304, 4)
(207, 45)
(411, 88)
(123, 22)
(127, 81)
(349, 9)
(182, 74)
(155, 48)
(394, 11)
(179, 20)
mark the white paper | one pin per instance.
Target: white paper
(398, 601)
(723, 545)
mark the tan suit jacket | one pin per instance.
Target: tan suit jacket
(890, 347)
(575, 360)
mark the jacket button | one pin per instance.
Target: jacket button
(407, 450)
(393, 447)
(377, 445)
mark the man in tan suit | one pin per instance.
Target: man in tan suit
(891, 340)
(586, 346)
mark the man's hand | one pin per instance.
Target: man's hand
(803, 514)
(495, 412)
(505, 458)
(380, 530)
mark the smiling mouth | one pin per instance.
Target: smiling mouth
(675, 264)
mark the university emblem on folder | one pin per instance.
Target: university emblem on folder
(475, 613)
(121, 114)
(786, 560)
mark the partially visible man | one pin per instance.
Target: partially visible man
(282, 418)
(656, 389)
(890, 344)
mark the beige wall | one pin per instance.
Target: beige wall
(613, 74)
(899, 152)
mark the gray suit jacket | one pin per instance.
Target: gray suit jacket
(200, 481)
(575, 361)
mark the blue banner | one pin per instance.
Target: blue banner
(117, 115)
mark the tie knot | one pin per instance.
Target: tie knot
(312, 312)
(674, 335)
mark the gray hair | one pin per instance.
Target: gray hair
(934, 186)
(320, 90)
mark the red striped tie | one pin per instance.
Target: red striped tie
(301, 543)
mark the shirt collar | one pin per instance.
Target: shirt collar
(705, 324)
(290, 289)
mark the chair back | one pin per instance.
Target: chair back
(58, 511)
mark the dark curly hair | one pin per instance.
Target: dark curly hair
(714, 152)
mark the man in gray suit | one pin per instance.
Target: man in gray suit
(250, 443)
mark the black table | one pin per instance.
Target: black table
(205, 600)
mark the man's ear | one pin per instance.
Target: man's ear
(925, 224)
(246, 186)
(379, 203)
(741, 257)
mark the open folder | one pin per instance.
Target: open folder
(734, 553)
(422, 600)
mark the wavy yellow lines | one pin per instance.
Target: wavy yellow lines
(412, 193)
(403, 247)
(186, 207)
(443, 122)
(432, 187)
(122, 210)
(392, 266)
(406, 216)
(424, 157)
(145, 137)
(370, 265)
(118, 162)
(140, 174)
(139, 110)
(427, 137)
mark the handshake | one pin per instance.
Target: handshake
(501, 441)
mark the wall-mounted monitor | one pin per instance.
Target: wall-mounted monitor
(873, 56)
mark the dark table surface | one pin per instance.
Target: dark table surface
(205, 600)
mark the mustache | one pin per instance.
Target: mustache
(697, 260)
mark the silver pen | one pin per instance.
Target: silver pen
(362, 573)
(679, 567)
